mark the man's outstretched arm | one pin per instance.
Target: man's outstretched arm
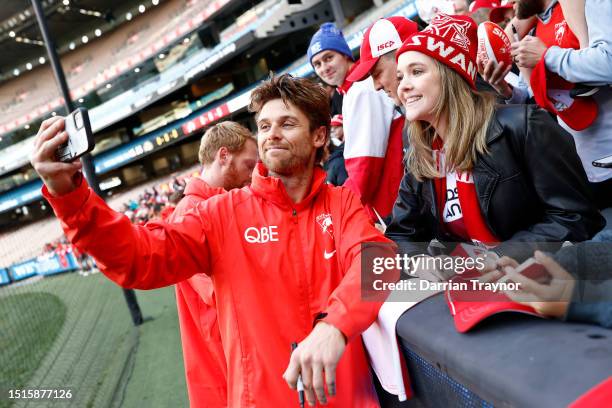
(152, 256)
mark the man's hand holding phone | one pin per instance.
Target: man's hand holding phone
(80, 137)
(59, 177)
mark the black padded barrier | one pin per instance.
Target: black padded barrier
(508, 360)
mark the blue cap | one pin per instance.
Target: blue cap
(328, 38)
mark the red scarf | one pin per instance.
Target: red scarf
(468, 200)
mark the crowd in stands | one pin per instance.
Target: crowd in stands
(429, 143)
(90, 67)
(153, 203)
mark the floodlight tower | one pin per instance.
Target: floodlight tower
(88, 167)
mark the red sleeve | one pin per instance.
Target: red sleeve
(142, 257)
(363, 176)
(166, 213)
(367, 117)
(346, 309)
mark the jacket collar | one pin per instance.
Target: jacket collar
(272, 188)
(495, 129)
(198, 187)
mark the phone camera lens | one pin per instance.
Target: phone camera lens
(78, 120)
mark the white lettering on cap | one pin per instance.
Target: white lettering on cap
(445, 51)
(472, 70)
(416, 40)
(438, 46)
(383, 38)
(459, 59)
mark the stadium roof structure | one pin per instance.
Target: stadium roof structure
(72, 23)
(91, 68)
(88, 68)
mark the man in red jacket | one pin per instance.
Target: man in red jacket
(284, 254)
(228, 154)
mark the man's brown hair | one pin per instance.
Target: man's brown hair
(308, 96)
(230, 135)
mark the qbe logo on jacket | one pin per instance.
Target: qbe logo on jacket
(254, 235)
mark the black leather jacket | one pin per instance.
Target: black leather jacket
(531, 188)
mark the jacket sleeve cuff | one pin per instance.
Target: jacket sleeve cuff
(68, 204)
(342, 323)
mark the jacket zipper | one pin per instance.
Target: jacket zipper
(302, 276)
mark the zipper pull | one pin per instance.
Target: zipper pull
(294, 215)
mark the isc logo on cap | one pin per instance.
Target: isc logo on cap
(386, 46)
(383, 38)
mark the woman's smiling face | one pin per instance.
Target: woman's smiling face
(419, 85)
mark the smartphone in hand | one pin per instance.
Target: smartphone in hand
(533, 270)
(80, 137)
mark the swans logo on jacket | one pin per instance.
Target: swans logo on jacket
(325, 222)
(327, 227)
(560, 31)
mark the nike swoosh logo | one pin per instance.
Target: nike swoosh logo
(328, 255)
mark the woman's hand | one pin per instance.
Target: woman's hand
(550, 299)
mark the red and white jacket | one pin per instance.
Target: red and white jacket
(205, 366)
(373, 148)
(276, 267)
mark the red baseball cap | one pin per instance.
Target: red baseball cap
(497, 14)
(478, 4)
(472, 306)
(385, 35)
(552, 93)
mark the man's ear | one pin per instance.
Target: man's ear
(223, 155)
(320, 136)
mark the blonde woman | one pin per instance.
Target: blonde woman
(478, 172)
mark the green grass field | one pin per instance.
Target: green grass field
(31, 334)
(158, 378)
(73, 331)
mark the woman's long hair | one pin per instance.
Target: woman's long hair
(469, 114)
